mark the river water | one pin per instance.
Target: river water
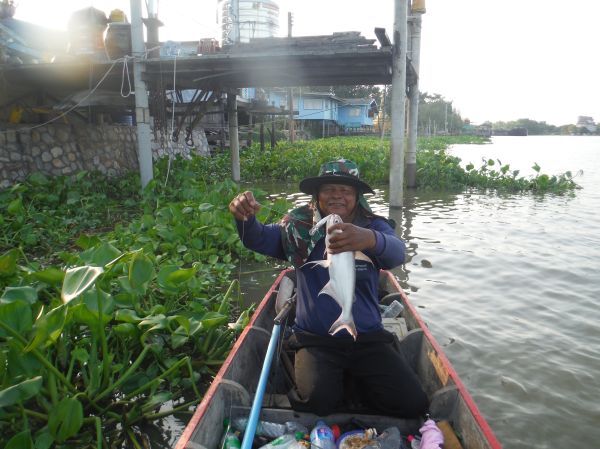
(509, 285)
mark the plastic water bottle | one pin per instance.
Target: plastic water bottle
(415, 442)
(321, 437)
(230, 438)
(393, 310)
(264, 428)
(287, 441)
(390, 438)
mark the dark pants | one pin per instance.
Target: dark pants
(388, 385)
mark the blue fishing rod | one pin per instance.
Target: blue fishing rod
(264, 375)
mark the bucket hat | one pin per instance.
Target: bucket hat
(342, 171)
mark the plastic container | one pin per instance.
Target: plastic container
(390, 438)
(321, 437)
(415, 442)
(393, 310)
(287, 441)
(264, 428)
(230, 438)
(355, 439)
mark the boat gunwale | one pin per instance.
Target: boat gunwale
(190, 428)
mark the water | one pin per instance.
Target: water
(508, 284)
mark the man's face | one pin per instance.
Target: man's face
(338, 199)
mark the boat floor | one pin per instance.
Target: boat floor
(277, 407)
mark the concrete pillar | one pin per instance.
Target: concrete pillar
(396, 189)
(142, 112)
(413, 101)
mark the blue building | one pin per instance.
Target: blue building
(321, 113)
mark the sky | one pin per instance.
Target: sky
(496, 60)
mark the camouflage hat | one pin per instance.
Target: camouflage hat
(342, 171)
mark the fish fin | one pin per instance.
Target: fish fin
(328, 290)
(341, 324)
(320, 223)
(323, 263)
(359, 255)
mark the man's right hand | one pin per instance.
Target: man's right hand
(244, 206)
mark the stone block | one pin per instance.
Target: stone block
(56, 151)
(15, 156)
(46, 156)
(58, 163)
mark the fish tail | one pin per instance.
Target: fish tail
(341, 324)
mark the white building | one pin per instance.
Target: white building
(587, 123)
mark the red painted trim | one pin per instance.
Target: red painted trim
(485, 427)
(201, 410)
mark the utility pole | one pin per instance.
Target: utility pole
(417, 9)
(142, 112)
(234, 142)
(290, 91)
(396, 188)
(234, 139)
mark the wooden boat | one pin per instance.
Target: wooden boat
(232, 391)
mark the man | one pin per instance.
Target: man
(389, 385)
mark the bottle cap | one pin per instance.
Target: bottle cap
(336, 431)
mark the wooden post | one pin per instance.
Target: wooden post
(272, 132)
(262, 133)
(234, 142)
(396, 189)
(250, 129)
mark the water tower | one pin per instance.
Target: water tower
(256, 19)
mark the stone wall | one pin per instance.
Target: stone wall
(61, 149)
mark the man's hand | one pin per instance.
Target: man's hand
(352, 238)
(244, 206)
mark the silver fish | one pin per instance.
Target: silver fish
(342, 278)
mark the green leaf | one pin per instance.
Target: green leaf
(66, 419)
(180, 276)
(90, 299)
(17, 315)
(43, 440)
(8, 262)
(25, 294)
(20, 392)
(48, 327)
(213, 319)
(77, 280)
(127, 316)
(15, 207)
(21, 440)
(205, 207)
(86, 241)
(141, 271)
(125, 330)
(52, 276)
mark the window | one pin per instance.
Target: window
(313, 103)
(354, 112)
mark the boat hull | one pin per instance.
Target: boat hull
(231, 392)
